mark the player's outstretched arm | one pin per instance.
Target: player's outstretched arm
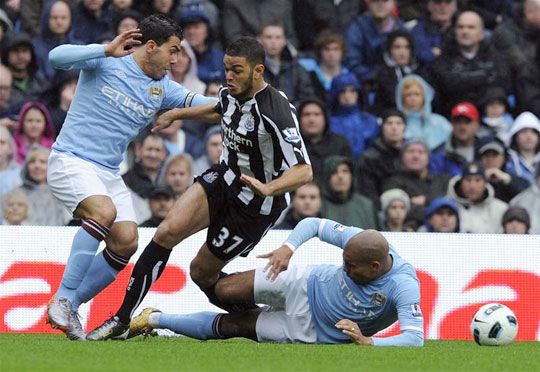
(203, 113)
(290, 180)
(68, 56)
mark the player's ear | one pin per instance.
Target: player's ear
(150, 46)
(258, 71)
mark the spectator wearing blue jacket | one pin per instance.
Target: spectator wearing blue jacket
(431, 30)
(358, 126)
(366, 36)
(414, 97)
(56, 18)
(91, 20)
(196, 25)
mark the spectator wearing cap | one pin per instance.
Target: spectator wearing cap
(479, 210)
(431, 30)
(524, 146)
(382, 158)
(442, 215)
(196, 27)
(340, 202)
(530, 200)
(366, 36)
(20, 58)
(492, 154)
(414, 97)
(395, 204)
(516, 220)
(347, 119)
(306, 202)
(450, 157)
(496, 119)
(416, 180)
(160, 201)
(319, 140)
(468, 66)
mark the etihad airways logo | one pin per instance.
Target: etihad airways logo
(233, 140)
(128, 105)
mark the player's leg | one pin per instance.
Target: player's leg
(188, 216)
(121, 245)
(202, 326)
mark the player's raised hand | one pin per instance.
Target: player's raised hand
(352, 330)
(123, 44)
(278, 261)
(257, 186)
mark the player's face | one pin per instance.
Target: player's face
(178, 177)
(239, 76)
(59, 18)
(34, 124)
(312, 120)
(163, 57)
(37, 167)
(443, 220)
(359, 272)
(473, 187)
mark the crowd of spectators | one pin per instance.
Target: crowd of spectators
(417, 115)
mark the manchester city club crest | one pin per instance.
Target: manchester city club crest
(156, 92)
(210, 177)
(378, 299)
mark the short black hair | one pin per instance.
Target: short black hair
(249, 48)
(160, 28)
(393, 112)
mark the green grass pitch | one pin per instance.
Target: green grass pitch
(55, 353)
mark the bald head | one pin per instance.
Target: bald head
(469, 31)
(368, 246)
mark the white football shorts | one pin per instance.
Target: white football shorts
(288, 318)
(72, 179)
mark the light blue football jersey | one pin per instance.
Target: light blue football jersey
(113, 102)
(333, 296)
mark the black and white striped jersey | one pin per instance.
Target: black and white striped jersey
(261, 139)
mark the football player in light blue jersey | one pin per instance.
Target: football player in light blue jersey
(326, 304)
(122, 85)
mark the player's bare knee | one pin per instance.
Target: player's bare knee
(200, 276)
(104, 216)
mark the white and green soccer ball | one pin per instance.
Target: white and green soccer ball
(494, 325)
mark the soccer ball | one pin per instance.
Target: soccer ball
(494, 325)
